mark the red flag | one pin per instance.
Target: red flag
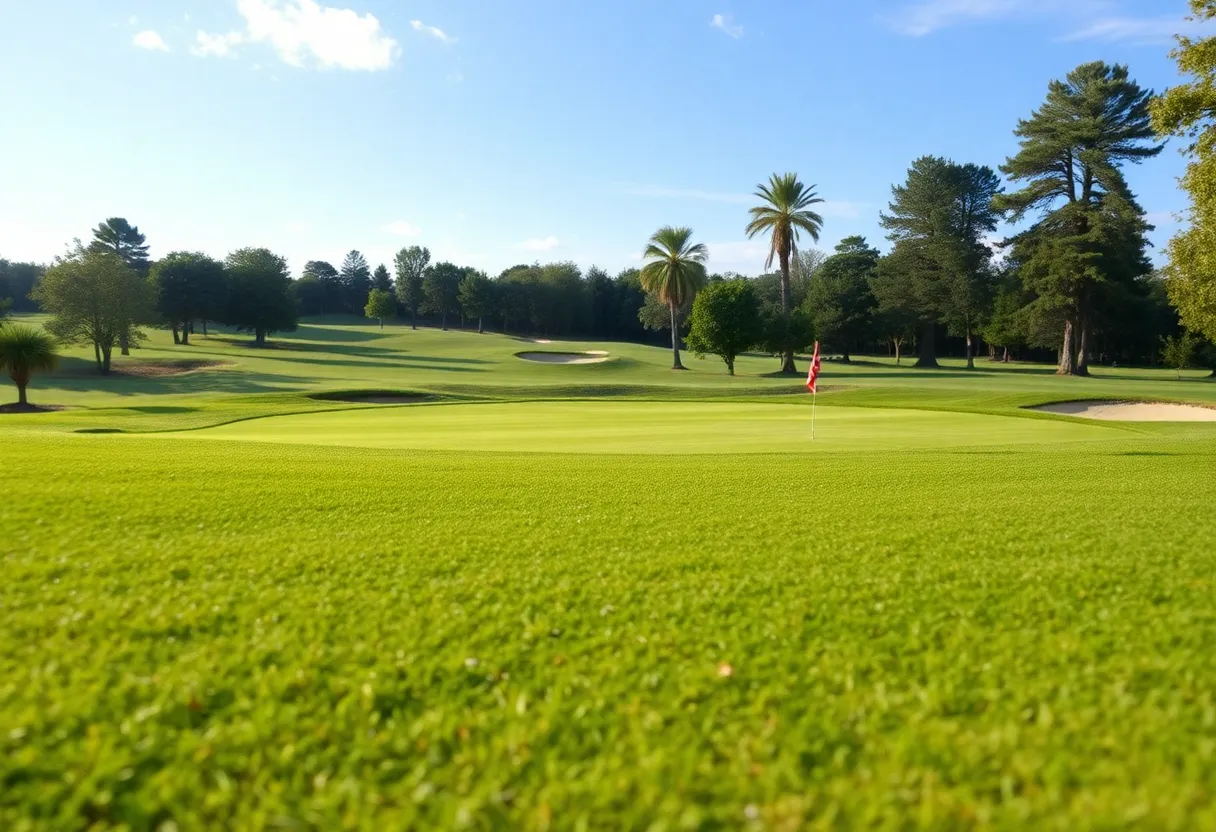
(812, 378)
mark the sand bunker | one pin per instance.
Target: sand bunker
(1132, 411)
(590, 357)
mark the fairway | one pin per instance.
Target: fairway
(653, 428)
(539, 597)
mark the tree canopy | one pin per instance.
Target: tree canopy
(188, 286)
(119, 237)
(411, 265)
(725, 321)
(261, 299)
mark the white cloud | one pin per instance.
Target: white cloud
(433, 31)
(402, 228)
(148, 39)
(218, 46)
(540, 244)
(724, 23)
(1142, 31)
(304, 33)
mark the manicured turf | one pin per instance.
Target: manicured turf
(654, 427)
(509, 608)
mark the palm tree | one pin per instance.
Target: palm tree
(23, 352)
(674, 270)
(784, 214)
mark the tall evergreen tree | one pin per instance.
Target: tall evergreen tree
(1090, 226)
(839, 301)
(118, 236)
(939, 267)
(381, 279)
(1189, 111)
(411, 264)
(356, 282)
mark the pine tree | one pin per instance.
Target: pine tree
(356, 281)
(1091, 228)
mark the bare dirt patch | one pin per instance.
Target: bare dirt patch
(161, 369)
(589, 357)
(1131, 411)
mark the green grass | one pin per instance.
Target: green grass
(602, 596)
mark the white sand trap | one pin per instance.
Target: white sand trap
(590, 357)
(1132, 411)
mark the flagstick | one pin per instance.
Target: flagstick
(814, 399)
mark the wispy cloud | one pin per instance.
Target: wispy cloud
(724, 23)
(842, 209)
(540, 244)
(217, 46)
(923, 17)
(304, 34)
(1142, 31)
(434, 31)
(402, 228)
(151, 41)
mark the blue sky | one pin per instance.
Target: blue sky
(506, 131)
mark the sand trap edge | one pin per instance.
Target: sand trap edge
(1125, 411)
(553, 357)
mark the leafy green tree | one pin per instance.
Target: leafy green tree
(261, 299)
(783, 216)
(330, 299)
(411, 265)
(310, 292)
(381, 279)
(380, 305)
(93, 297)
(1178, 352)
(939, 267)
(188, 286)
(839, 301)
(1004, 329)
(1090, 226)
(1189, 111)
(356, 281)
(118, 236)
(476, 296)
(6, 304)
(674, 271)
(441, 290)
(16, 282)
(655, 315)
(725, 321)
(24, 351)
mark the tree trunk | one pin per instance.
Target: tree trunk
(1081, 368)
(845, 359)
(730, 366)
(1005, 359)
(187, 326)
(204, 327)
(124, 343)
(382, 323)
(675, 338)
(21, 399)
(1065, 366)
(787, 358)
(413, 318)
(97, 357)
(479, 327)
(897, 343)
(105, 360)
(259, 337)
(176, 338)
(443, 321)
(970, 352)
(928, 346)
(991, 352)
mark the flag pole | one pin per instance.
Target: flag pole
(814, 399)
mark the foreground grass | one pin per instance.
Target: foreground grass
(240, 634)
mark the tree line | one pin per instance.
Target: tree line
(1074, 282)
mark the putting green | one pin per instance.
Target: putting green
(650, 427)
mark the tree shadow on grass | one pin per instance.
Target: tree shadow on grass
(273, 349)
(221, 381)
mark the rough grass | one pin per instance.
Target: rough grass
(948, 613)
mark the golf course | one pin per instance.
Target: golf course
(394, 578)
